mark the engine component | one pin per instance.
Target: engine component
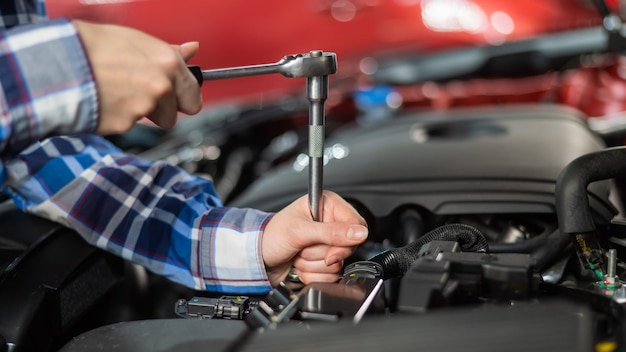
(558, 326)
(443, 275)
(45, 294)
(572, 202)
(395, 262)
(490, 167)
(359, 291)
(225, 307)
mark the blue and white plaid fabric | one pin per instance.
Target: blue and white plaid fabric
(46, 84)
(154, 214)
(16, 12)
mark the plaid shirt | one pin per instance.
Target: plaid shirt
(14, 12)
(154, 214)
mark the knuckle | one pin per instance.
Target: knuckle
(169, 59)
(159, 86)
(337, 237)
(141, 107)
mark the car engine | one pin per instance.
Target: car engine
(492, 226)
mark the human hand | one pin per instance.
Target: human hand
(315, 249)
(138, 76)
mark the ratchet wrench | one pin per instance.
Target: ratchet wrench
(315, 66)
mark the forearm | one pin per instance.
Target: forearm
(46, 85)
(153, 214)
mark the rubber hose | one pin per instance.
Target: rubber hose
(395, 262)
(526, 246)
(572, 203)
(553, 247)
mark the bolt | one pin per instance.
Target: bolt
(612, 263)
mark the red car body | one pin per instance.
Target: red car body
(239, 32)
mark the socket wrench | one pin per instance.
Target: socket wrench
(315, 66)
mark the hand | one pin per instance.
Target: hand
(316, 249)
(138, 76)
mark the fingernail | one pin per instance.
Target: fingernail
(331, 260)
(190, 43)
(357, 233)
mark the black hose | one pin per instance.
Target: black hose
(553, 246)
(572, 203)
(526, 246)
(395, 262)
(412, 227)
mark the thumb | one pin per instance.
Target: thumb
(335, 234)
(188, 50)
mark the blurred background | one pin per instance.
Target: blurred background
(239, 32)
(394, 57)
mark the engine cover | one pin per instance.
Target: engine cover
(468, 161)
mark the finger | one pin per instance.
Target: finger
(329, 254)
(187, 91)
(338, 209)
(337, 254)
(317, 266)
(188, 50)
(332, 234)
(308, 277)
(165, 111)
(315, 252)
(190, 100)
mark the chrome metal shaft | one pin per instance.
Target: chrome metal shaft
(317, 93)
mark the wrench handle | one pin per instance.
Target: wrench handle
(196, 71)
(317, 93)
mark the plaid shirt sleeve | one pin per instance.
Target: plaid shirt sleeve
(18, 12)
(46, 85)
(153, 214)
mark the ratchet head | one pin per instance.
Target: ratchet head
(315, 63)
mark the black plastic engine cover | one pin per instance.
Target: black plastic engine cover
(468, 161)
(555, 326)
(52, 283)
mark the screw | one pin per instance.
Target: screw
(612, 263)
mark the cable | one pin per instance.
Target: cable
(395, 262)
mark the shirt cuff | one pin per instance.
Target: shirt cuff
(230, 258)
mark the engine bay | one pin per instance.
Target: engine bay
(465, 238)
(495, 223)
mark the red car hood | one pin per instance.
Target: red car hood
(239, 32)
